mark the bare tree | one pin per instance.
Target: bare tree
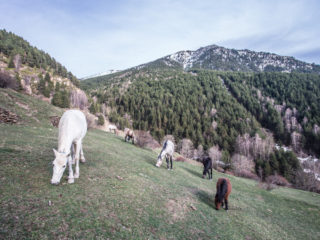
(215, 155)
(296, 141)
(78, 99)
(186, 148)
(198, 153)
(17, 61)
(242, 163)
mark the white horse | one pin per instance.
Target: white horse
(113, 127)
(167, 151)
(72, 129)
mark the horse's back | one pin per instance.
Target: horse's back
(73, 122)
(169, 146)
(227, 181)
(207, 162)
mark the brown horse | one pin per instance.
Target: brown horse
(129, 135)
(223, 190)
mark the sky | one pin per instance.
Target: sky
(90, 37)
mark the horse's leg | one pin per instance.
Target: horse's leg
(73, 152)
(171, 161)
(78, 149)
(226, 200)
(71, 177)
(167, 160)
(132, 140)
(82, 158)
(211, 173)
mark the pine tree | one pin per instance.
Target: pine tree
(20, 88)
(65, 99)
(11, 63)
(92, 108)
(57, 99)
(100, 120)
(47, 77)
(57, 88)
(42, 84)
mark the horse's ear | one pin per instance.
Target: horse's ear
(55, 152)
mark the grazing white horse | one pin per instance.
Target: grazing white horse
(167, 151)
(113, 127)
(72, 129)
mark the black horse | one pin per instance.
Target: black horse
(207, 167)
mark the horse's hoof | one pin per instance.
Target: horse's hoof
(71, 180)
(76, 176)
(83, 160)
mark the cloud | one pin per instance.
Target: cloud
(94, 36)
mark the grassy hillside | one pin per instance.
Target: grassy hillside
(121, 194)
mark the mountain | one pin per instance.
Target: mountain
(223, 59)
(218, 58)
(120, 194)
(26, 68)
(100, 74)
(237, 113)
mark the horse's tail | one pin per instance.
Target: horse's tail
(222, 190)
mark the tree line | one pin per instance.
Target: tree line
(12, 45)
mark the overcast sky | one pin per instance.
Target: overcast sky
(94, 36)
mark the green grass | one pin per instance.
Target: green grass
(121, 194)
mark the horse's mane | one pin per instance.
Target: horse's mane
(222, 190)
(165, 144)
(163, 148)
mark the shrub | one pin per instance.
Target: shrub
(145, 140)
(181, 159)
(6, 81)
(100, 120)
(267, 186)
(307, 181)
(78, 99)
(277, 180)
(246, 174)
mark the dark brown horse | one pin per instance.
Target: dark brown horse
(207, 167)
(223, 190)
(129, 135)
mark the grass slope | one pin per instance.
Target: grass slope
(121, 194)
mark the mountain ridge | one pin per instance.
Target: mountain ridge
(214, 57)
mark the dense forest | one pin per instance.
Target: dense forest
(215, 107)
(226, 111)
(186, 106)
(287, 104)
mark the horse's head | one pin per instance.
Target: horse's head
(217, 203)
(59, 165)
(159, 161)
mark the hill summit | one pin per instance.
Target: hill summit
(214, 57)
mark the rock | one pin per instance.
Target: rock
(8, 117)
